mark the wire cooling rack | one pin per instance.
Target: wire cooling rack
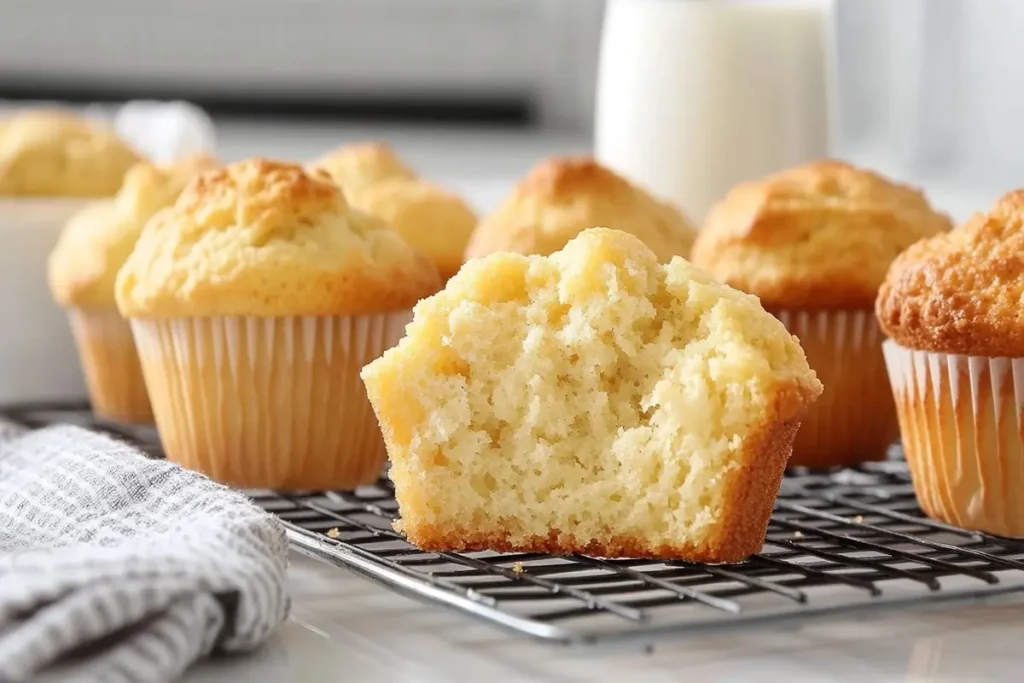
(839, 541)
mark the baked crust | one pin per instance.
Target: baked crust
(47, 153)
(961, 292)
(820, 236)
(431, 219)
(265, 238)
(98, 239)
(361, 164)
(561, 197)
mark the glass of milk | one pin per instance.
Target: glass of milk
(695, 96)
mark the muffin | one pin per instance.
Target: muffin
(814, 243)
(951, 306)
(254, 301)
(431, 219)
(83, 267)
(51, 165)
(366, 163)
(46, 153)
(593, 402)
(561, 197)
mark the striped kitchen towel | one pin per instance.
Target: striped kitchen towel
(116, 567)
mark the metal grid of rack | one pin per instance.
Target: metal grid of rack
(838, 541)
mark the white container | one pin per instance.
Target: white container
(695, 96)
(38, 360)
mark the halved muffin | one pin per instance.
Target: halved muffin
(592, 401)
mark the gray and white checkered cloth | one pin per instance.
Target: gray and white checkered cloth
(121, 568)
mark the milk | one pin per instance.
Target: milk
(695, 96)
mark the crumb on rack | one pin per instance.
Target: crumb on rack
(517, 568)
(858, 519)
(798, 534)
(333, 532)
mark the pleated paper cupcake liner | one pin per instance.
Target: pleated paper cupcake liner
(854, 420)
(111, 366)
(963, 436)
(273, 403)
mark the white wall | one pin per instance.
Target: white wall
(930, 83)
(541, 48)
(935, 86)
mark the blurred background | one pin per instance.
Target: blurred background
(474, 91)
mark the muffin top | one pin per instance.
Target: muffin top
(561, 197)
(47, 153)
(962, 292)
(819, 236)
(357, 165)
(98, 239)
(431, 219)
(266, 238)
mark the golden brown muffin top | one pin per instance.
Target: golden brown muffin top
(365, 163)
(819, 236)
(962, 292)
(98, 239)
(561, 197)
(265, 238)
(433, 220)
(46, 153)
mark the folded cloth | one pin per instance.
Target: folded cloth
(118, 567)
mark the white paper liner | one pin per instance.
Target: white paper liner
(268, 402)
(854, 419)
(110, 363)
(963, 435)
(38, 360)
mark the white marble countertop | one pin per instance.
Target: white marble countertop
(344, 627)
